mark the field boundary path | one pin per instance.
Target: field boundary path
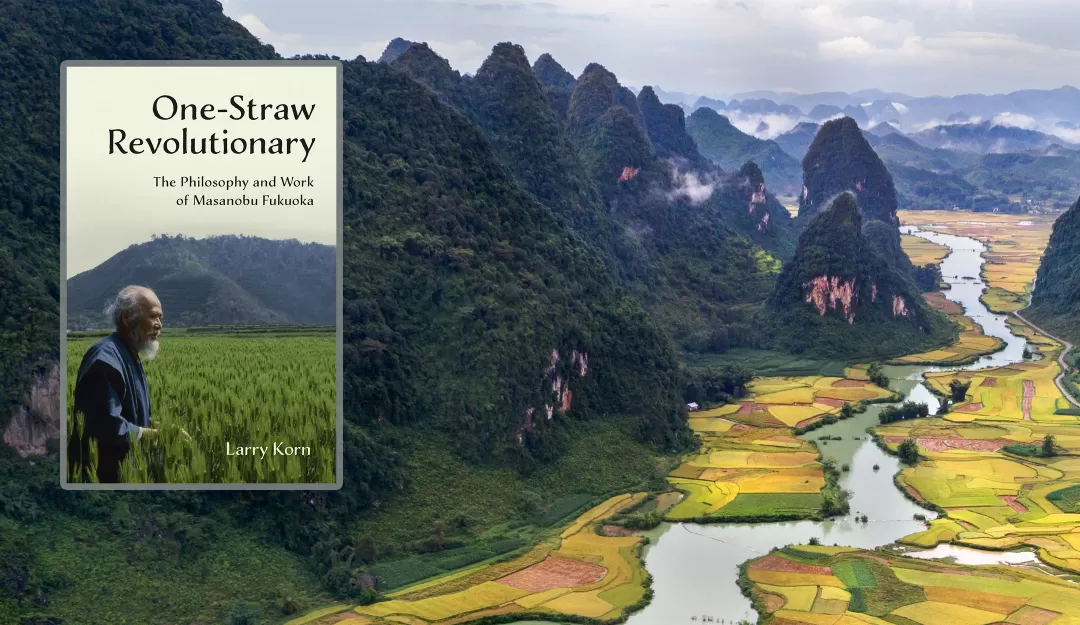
(1060, 380)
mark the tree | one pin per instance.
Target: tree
(958, 390)
(907, 410)
(909, 451)
(877, 375)
(943, 407)
(1048, 445)
(847, 411)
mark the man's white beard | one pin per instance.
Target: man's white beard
(149, 349)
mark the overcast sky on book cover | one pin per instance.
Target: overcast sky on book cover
(714, 47)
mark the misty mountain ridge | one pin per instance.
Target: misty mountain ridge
(1055, 111)
(986, 137)
(220, 280)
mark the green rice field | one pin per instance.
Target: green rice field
(218, 392)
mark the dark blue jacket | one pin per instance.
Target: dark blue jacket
(112, 393)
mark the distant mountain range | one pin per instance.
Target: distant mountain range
(986, 138)
(1052, 111)
(225, 280)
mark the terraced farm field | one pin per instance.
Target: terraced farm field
(752, 466)
(1024, 391)
(577, 572)
(922, 251)
(841, 586)
(971, 344)
(994, 485)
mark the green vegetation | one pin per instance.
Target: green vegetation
(212, 390)
(909, 451)
(841, 160)
(730, 148)
(907, 410)
(1055, 305)
(1048, 449)
(958, 390)
(839, 297)
(717, 385)
(753, 507)
(1067, 499)
(668, 132)
(929, 178)
(144, 559)
(558, 83)
(834, 500)
(929, 190)
(768, 363)
(664, 247)
(452, 503)
(876, 374)
(1030, 451)
(223, 280)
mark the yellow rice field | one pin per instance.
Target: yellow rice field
(579, 573)
(994, 493)
(969, 346)
(1024, 391)
(1015, 247)
(751, 463)
(921, 251)
(855, 587)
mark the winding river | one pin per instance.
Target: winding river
(694, 567)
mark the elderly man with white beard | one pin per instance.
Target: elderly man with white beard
(111, 390)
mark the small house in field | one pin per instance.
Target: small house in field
(692, 406)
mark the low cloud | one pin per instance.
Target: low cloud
(1072, 135)
(934, 123)
(1015, 120)
(690, 186)
(776, 123)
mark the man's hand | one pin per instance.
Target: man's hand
(149, 432)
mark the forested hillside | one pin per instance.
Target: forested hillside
(730, 148)
(841, 160)
(225, 280)
(675, 229)
(1055, 304)
(840, 296)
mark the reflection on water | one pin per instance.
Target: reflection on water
(966, 555)
(694, 567)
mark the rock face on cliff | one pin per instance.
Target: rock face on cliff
(841, 160)
(1055, 304)
(36, 420)
(838, 296)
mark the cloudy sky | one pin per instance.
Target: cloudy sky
(714, 47)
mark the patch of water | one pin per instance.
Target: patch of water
(967, 555)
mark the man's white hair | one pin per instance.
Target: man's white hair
(127, 300)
